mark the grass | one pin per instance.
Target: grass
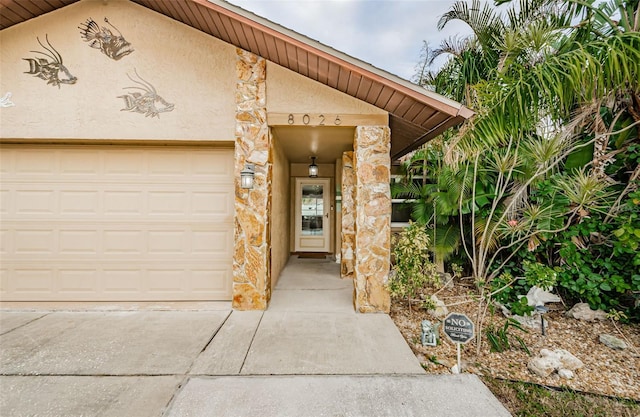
(531, 400)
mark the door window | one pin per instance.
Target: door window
(312, 209)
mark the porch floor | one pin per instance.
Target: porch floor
(312, 285)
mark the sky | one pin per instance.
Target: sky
(388, 34)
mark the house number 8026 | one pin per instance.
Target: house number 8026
(313, 119)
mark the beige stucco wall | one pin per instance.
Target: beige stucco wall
(288, 92)
(188, 68)
(280, 214)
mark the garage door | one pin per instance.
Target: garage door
(115, 223)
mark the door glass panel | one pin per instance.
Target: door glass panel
(312, 209)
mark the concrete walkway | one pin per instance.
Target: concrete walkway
(309, 354)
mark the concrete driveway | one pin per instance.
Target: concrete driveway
(296, 359)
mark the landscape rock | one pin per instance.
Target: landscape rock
(446, 279)
(538, 297)
(441, 311)
(559, 360)
(582, 311)
(532, 322)
(568, 361)
(565, 373)
(613, 342)
(544, 366)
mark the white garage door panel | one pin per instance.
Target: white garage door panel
(116, 223)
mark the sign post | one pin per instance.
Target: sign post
(459, 329)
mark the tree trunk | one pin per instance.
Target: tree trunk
(439, 261)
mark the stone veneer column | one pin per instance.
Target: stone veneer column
(373, 218)
(348, 234)
(251, 269)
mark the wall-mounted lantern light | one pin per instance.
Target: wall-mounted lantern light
(246, 176)
(313, 168)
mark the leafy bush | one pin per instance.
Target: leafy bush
(508, 289)
(413, 271)
(602, 261)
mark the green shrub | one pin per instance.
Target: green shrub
(602, 261)
(413, 271)
(510, 289)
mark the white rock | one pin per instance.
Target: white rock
(539, 297)
(568, 361)
(544, 365)
(582, 311)
(455, 370)
(546, 352)
(550, 361)
(441, 311)
(565, 373)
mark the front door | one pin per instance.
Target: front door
(312, 215)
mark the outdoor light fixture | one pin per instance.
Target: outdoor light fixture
(246, 176)
(313, 168)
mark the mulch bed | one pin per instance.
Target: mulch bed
(606, 371)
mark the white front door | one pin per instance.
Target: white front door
(312, 215)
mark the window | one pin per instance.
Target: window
(400, 208)
(400, 212)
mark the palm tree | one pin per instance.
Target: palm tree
(534, 66)
(434, 190)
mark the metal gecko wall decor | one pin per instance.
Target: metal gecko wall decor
(148, 103)
(51, 69)
(6, 101)
(113, 46)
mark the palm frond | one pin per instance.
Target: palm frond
(489, 241)
(445, 240)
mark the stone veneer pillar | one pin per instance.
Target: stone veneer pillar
(348, 234)
(373, 218)
(251, 269)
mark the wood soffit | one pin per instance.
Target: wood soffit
(415, 114)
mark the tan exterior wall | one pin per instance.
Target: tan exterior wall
(280, 213)
(291, 92)
(188, 68)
